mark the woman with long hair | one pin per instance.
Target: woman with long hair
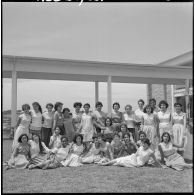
(169, 155)
(48, 118)
(36, 123)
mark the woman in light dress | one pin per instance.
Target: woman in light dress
(76, 117)
(87, 128)
(149, 126)
(179, 129)
(48, 118)
(36, 123)
(130, 119)
(68, 124)
(58, 118)
(164, 118)
(140, 158)
(55, 139)
(21, 155)
(55, 157)
(100, 117)
(76, 150)
(93, 154)
(22, 126)
(169, 156)
(116, 116)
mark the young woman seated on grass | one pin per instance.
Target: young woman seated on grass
(105, 149)
(169, 155)
(140, 158)
(129, 146)
(21, 155)
(93, 154)
(55, 139)
(117, 146)
(142, 135)
(76, 149)
(108, 130)
(38, 150)
(123, 129)
(55, 157)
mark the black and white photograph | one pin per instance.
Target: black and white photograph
(97, 97)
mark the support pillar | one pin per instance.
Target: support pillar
(172, 98)
(165, 92)
(149, 92)
(14, 96)
(187, 97)
(109, 94)
(96, 91)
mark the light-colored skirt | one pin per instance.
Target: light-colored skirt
(91, 159)
(73, 160)
(176, 161)
(151, 135)
(18, 162)
(164, 127)
(178, 135)
(129, 161)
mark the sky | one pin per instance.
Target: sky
(143, 33)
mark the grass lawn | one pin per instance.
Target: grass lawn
(94, 178)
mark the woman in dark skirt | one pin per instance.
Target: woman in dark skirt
(48, 118)
(58, 118)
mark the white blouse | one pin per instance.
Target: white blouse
(36, 120)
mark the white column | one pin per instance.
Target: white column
(96, 91)
(172, 98)
(187, 97)
(109, 94)
(165, 91)
(149, 92)
(14, 96)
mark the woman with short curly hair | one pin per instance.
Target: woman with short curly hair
(76, 117)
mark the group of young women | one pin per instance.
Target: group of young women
(58, 138)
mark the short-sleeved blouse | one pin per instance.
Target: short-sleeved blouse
(48, 119)
(59, 118)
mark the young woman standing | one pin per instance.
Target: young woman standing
(76, 117)
(36, 123)
(164, 118)
(48, 118)
(22, 126)
(58, 118)
(179, 128)
(87, 128)
(149, 124)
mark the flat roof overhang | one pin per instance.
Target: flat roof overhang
(75, 70)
